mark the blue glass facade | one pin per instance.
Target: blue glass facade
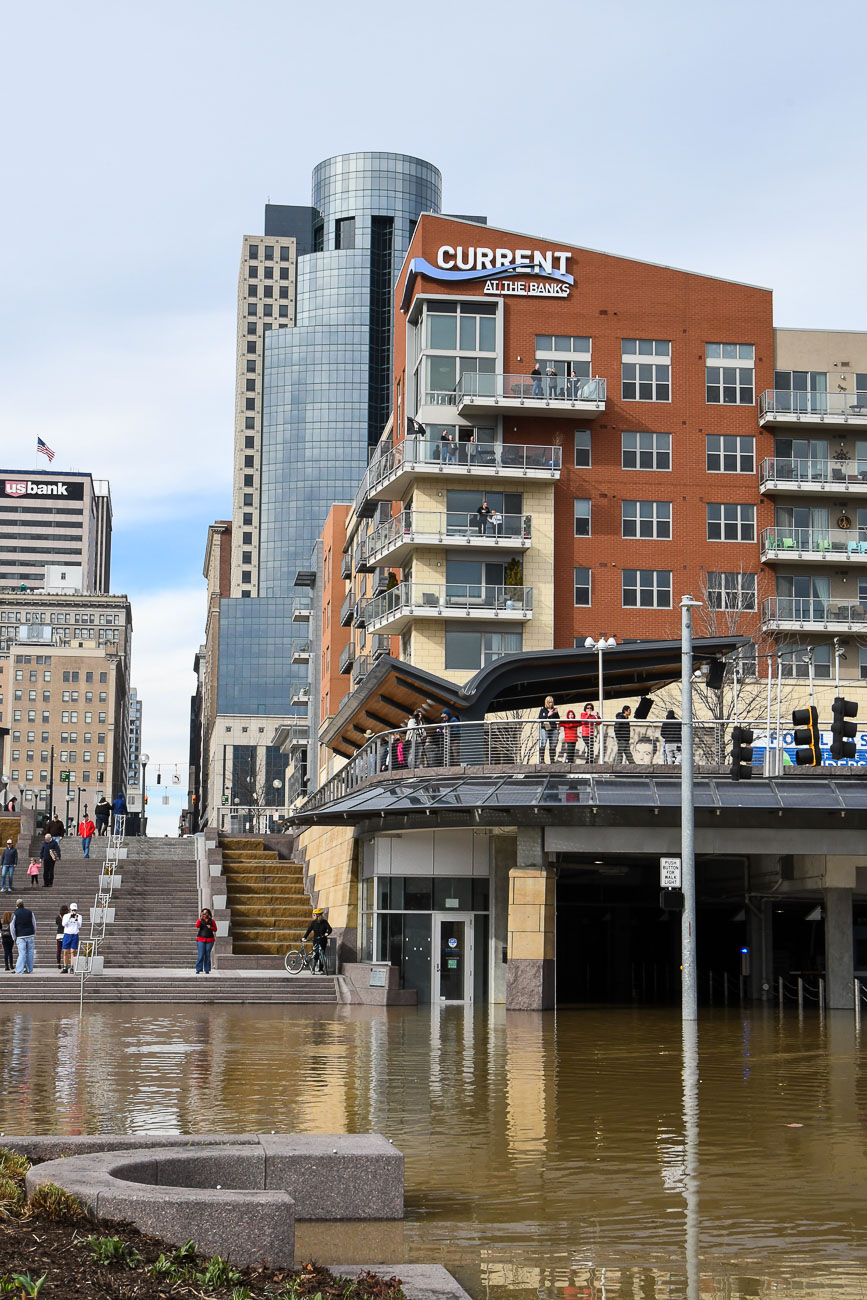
(326, 386)
(255, 642)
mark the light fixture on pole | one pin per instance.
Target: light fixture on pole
(145, 759)
(600, 646)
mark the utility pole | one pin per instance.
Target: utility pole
(689, 988)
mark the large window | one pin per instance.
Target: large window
(795, 661)
(582, 449)
(646, 451)
(731, 591)
(582, 587)
(730, 455)
(730, 375)
(470, 650)
(731, 523)
(647, 588)
(569, 356)
(646, 370)
(466, 331)
(582, 517)
(647, 519)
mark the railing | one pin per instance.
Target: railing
(346, 564)
(415, 453)
(823, 542)
(301, 610)
(803, 472)
(429, 600)
(347, 655)
(346, 609)
(301, 652)
(782, 401)
(522, 743)
(360, 668)
(538, 389)
(379, 645)
(806, 609)
(444, 527)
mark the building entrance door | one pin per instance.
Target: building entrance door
(453, 957)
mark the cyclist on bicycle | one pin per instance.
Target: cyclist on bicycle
(320, 930)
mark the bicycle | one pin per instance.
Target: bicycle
(299, 959)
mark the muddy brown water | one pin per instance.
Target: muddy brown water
(544, 1154)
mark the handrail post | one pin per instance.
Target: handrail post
(800, 993)
(781, 991)
(857, 1004)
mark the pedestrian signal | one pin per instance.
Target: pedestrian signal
(843, 732)
(808, 740)
(742, 753)
(159, 779)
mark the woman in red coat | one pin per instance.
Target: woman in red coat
(206, 932)
(570, 735)
(589, 720)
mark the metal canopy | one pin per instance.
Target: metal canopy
(393, 689)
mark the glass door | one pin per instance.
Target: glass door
(453, 957)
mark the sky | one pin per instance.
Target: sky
(141, 142)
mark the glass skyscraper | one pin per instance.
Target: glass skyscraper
(327, 381)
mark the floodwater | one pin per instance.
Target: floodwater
(545, 1154)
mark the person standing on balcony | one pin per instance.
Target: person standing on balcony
(483, 514)
(672, 739)
(549, 729)
(448, 450)
(622, 728)
(536, 376)
(551, 372)
(589, 721)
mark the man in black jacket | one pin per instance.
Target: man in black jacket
(23, 931)
(621, 735)
(49, 853)
(8, 861)
(320, 929)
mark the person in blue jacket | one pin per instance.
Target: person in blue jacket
(118, 805)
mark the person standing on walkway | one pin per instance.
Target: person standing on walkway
(118, 805)
(50, 854)
(589, 723)
(6, 935)
(22, 927)
(86, 830)
(320, 930)
(570, 735)
(58, 929)
(206, 933)
(8, 861)
(102, 812)
(672, 739)
(56, 827)
(549, 722)
(622, 728)
(71, 922)
(33, 873)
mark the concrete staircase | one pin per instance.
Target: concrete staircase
(266, 896)
(167, 987)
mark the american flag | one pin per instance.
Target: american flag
(45, 449)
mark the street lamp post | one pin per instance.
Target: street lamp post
(145, 759)
(689, 990)
(600, 646)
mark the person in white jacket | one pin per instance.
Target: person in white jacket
(71, 922)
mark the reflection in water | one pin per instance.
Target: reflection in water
(545, 1155)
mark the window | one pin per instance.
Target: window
(253, 252)
(269, 275)
(731, 523)
(582, 587)
(285, 255)
(732, 591)
(647, 588)
(283, 310)
(795, 661)
(252, 310)
(730, 376)
(269, 252)
(249, 422)
(582, 517)
(476, 649)
(269, 291)
(647, 519)
(646, 451)
(344, 232)
(582, 449)
(862, 662)
(730, 455)
(643, 377)
(249, 462)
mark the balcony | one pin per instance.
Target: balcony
(379, 645)
(302, 611)
(780, 407)
(347, 609)
(393, 542)
(301, 696)
(360, 668)
(346, 565)
(359, 557)
(388, 477)
(301, 653)
(394, 610)
(526, 395)
(803, 614)
(814, 544)
(347, 656)
(801, 475)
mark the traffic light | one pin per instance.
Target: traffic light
(807, 737)
(159, 778)
(742, 753)
(842, 744)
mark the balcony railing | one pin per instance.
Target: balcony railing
(302, 611)
(347, 655)
(443, 528)
(784, 406)
(813, 475)
(347, 609)
(360, 668)
(431, 454)
(449, 600)
(811, 614)
(535, 392)
(379, 645)
(520, 744)
(814, 544)
(346, 564)
(301, 653)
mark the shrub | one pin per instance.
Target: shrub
(52, 1202)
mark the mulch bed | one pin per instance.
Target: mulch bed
(68, 1254)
